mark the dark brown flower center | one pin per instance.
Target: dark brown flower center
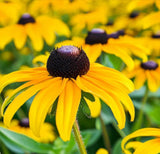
(149, 65)
(134, 14)
(68, 62)
(24, 122)
(25, 19)
(96, 36)
(156, 35)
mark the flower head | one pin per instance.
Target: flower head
(145, 71)
(52, 82)
(151, 146)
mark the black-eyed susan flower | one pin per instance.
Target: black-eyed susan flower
(124, 47)
(37, 29)
(147, 71)
(47, 132)
(151, 146)
(68, 71)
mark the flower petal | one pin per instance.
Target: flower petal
(95, 107)
(140, 132)
(149, 147)
(67, 108)
(21, 99)
(113, 103)
(42, 103)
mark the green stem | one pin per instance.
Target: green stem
(78, 138)
(105, 135)
(121, 132)
(138, 122)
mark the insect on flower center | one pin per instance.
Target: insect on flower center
(24, 122)
(149, 65)
(25, 19)
(95, 36)
(68, 62)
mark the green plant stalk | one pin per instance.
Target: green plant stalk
(78, 138)
(121, 132)
(138, 122)
(105, 135)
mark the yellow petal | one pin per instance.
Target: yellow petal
(140, 79)
(119, 52)
(158, 3)
(112, 75)
(21, 99)
(19, 36)
(41, 58)
(19, 89)
(149, 147)
(42, 103)
(67, 108)
(115, 91)
(93, 51)
(152, 82)
(21, 76)
(113, 103)
(34, 33)
(140, 132)
(95, 107)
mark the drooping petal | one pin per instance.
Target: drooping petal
(140, 132)
(149, 147)
(113, 103)
(95, 107)
(21, 76)
(21, 99)
(42, 103)
(67, 108)
(93, 51)
(133, 144)
(19, 36)
(119, 52)
(152, 82)
(139, 79)
(114, 90)
(112, 74)
(19, 89)
(34, 33)
(158, 3)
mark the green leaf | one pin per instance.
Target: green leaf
(88, 96)
(20, 143)
(117, 147)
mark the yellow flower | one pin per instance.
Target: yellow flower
(148, 147)
(123, 47)
(141, 4)
(148, 71)
(68, 71)
(102, 151)
(37, 29)
(47, 132)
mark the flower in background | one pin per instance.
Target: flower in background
(151, 146)
(68, 71)
(47, 132)
(102, 151)
(37, 29)
(148, 71)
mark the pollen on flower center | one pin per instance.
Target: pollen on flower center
(149, 65)
(68, 62)
(24, 122)
(26, 18)
(95, 36)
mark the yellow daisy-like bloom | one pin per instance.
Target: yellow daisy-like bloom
(141, 4)
(151, 146)
(102, 151)
(148, 71)
(47, 132)
(123, 47)
(68, 71)
(43, 27)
